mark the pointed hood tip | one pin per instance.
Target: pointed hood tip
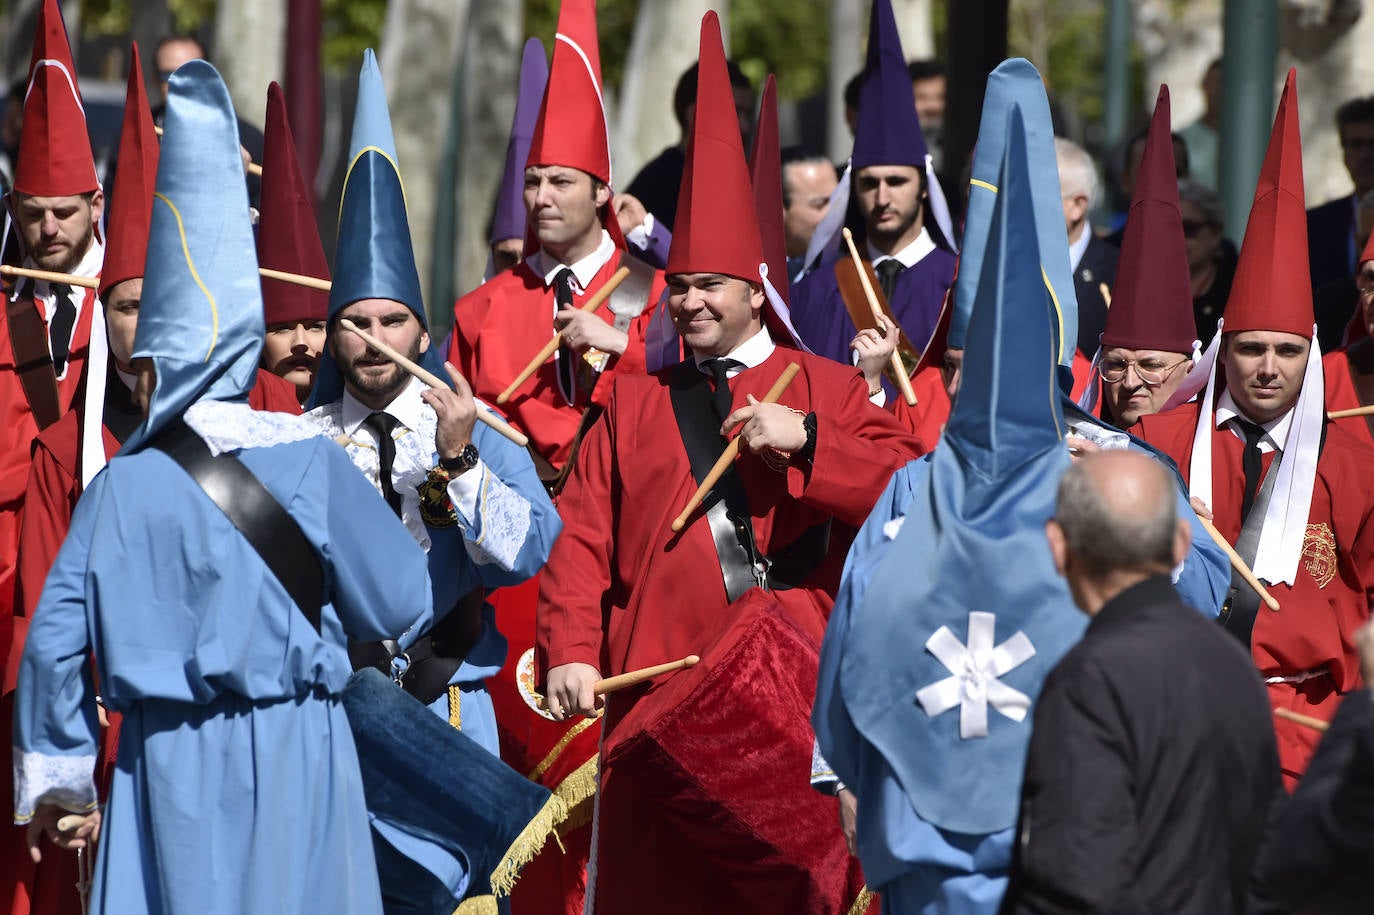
(129, 212)
(55, 158)
(288, 236)
(717, 228)
(1272, 286)
(998, 420)
(1152, 302)
(510, 217)
(200, 319)
(888, 130)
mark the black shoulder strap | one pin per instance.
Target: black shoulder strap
(259, 517)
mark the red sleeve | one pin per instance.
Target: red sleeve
(273, 394)
(48, 501)
(568, 620)
(858, 447)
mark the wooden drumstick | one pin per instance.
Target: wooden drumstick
(70, 823)
(1315, 724)
(1106, 294)
(591, 304)
(253, 167)
(1239, 564)
(298, 279)
(899, 370)
(731, 450)
(485, 416)
(85, 282)
(635, 677)
(1353, 411)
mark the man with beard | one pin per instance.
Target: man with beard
(46, 327)
(469, 497)
(897, 194)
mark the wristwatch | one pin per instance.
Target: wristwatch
(808, 451)
(462, 463)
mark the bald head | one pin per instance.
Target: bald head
(1114, 520)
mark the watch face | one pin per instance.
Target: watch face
(468, 456)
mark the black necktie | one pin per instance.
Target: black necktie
(720, 399)
(60, 330)
(1251, 463)
(567, 372)
(381, 425)
(887, 276)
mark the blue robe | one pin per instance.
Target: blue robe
(819, 315)
(237, 787)
(916, 866)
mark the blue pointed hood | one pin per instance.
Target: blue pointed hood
(888, 132)
(200, 320)
(1017, 83)
(1007, 409)
(373, 258)
(946, 654)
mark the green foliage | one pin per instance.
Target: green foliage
(350, 26)
(784, 37)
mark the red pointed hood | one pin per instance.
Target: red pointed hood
(765, 173)
(572, 130)
(55, 157)
(130, 212)
(288, 235)
(1273, 288)
(717, 228)
(1152, 301)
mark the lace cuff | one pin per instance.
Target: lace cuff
(495, 518)
(66, 781)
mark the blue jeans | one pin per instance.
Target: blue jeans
(452, 800)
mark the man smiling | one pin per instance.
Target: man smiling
(622, 590)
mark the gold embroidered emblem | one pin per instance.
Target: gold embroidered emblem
(524, 682)
(436, 510)
(1319, 554)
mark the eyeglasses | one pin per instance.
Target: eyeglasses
(1149, 371)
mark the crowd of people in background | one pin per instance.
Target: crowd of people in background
(774, 534)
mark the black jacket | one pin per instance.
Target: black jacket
(1319, 851)
(1150, 769)
(1097, 266)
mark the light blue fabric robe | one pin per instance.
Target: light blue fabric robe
(237, 788)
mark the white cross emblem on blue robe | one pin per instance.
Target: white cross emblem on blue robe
(975, 670)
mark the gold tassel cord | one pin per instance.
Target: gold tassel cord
(455, 707)
(552, 756)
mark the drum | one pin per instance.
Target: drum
(723, 752)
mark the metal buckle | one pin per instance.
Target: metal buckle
(400, 666)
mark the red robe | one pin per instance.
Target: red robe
(502, 324)
(17, 432)
(53, 486)
(1341, 395)
(661, 597)
(1315, 625)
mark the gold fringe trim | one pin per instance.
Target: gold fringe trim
(477, 905)
(559, 747)
(861, 902)
(576, 792)
(455, 707)
(527, 845)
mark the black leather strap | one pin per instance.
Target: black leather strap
(434, 658)
(726, 506)
(259, 517)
